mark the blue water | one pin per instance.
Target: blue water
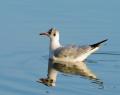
(23, 53)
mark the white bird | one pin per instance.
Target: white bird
(66, 54)
(71, 53)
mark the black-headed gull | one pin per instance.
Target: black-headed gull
(71, 53)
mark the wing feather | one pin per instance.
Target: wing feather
(71, 51)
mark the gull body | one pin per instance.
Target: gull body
(70, 53)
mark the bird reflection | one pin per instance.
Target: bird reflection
(73, 68)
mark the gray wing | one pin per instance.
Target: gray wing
(71, 51)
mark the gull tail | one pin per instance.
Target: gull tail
(98, 44)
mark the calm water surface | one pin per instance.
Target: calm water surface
(23, 53)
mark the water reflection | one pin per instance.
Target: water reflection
(76, 68)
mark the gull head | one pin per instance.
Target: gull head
(52, 33)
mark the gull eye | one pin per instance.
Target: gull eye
(49, 32)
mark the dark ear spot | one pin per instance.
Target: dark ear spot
(54, 34)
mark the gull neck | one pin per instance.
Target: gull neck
(54, 43)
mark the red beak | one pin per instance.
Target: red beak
(45, 33)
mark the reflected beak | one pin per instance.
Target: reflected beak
(45, 33)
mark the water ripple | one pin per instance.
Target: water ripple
(114, 53)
